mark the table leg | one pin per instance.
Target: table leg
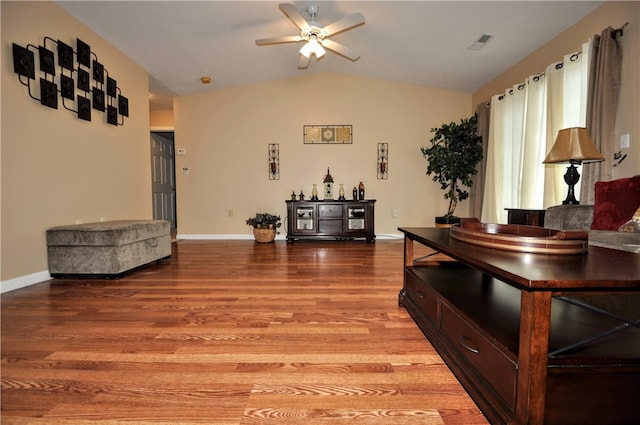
(408, 251)
(535, 317)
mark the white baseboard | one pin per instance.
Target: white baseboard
(390, 236)
(24, 281)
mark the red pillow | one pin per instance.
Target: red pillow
(615, 202)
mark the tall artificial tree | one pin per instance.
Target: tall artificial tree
(452, 158)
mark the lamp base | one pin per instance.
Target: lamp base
(571, 177)
(571, 199)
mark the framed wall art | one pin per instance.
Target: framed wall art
(328, 134)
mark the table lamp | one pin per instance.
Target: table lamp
(573, 145)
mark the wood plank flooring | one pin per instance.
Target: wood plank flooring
(229, 332)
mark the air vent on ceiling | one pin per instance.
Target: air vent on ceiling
(480, 42)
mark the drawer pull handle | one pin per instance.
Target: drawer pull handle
(419, 294)
(467, 346)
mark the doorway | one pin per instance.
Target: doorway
(163, 177)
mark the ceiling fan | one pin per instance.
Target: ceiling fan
(315, 35)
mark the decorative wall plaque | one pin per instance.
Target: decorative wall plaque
(383, 161)
(328, 134)
(274, 161)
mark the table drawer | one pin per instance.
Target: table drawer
(494, 366)
(330, 211)
(423, 296)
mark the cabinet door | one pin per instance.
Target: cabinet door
(357, 218)
(305, 218)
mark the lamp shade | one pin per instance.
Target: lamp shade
(573, 144)
(312, 47)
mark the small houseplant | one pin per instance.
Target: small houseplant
(265, 226)
(452, 158)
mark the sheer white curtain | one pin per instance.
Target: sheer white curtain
(524, 123)
(515, 152)
(534, 150)
(567, 106)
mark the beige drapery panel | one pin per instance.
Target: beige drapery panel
(476, 192)
(602, 104)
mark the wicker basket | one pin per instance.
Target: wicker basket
(264, 235)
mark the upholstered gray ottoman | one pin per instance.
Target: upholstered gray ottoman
(106, 249)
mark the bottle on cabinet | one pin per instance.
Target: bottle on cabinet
(361, 191)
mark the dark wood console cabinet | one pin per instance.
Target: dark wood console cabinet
(331, 219)
(526, 334)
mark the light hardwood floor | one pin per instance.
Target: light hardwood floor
(229, 332)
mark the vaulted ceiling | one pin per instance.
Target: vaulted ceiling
(414, 42)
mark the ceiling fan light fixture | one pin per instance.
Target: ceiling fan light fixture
(315, 36)
(312, 47)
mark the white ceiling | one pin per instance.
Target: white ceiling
(414, 42)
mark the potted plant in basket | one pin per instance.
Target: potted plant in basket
(452, 158)
(265, 226)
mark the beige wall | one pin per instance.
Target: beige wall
(161, 119)
(57, 168)
(226, 135)
(614, 14)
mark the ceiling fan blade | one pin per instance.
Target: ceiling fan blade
(303, 62)
(340, 49)
(278, 40)
(344, 24)
(293, 14)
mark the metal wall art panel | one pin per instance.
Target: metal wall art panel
(79, 70)
(274, 161)
(383, 161)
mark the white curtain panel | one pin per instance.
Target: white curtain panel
(492, 202)
(567, 107)
(555, 189)
(534, 150)
(524, 123)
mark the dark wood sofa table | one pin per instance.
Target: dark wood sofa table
(523, 333)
